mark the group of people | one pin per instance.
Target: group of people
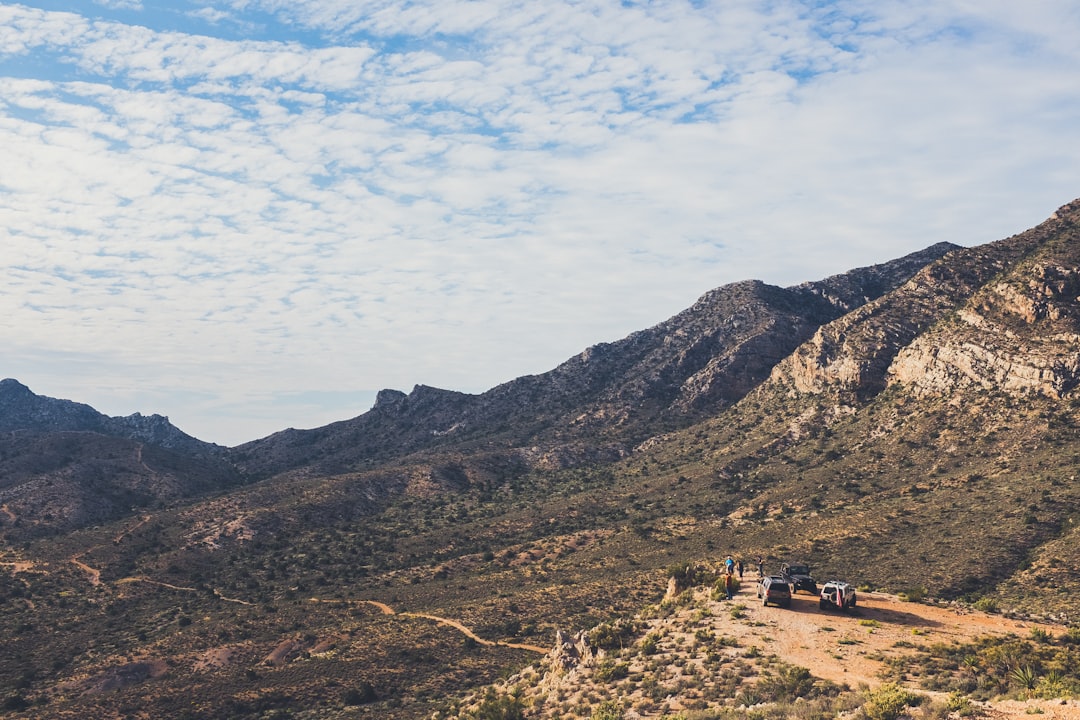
(732, 566)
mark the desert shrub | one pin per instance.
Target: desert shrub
(686, 574)
(360, 695)
(1040, 635)
(961, 705)
(498, 707)
(788, 682)
(748, 697)
(1053, 685)
(15, 702)
(650, 644)
(609, 710)
(610, 670)
(986, 604)
(914, 594)
(613, 635)
(887, 702)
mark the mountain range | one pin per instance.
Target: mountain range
(910, 425)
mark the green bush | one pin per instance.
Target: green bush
(686, 575)
(1041, 636)
(789, 682)
(610, 670)
(961, 705)
(498, 707)
(915, 594)
(1052, 686)
(887, 702)
(613, 635)
(1024, 676)
(609, 710)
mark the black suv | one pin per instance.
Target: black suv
(773, 589)
(798, 574)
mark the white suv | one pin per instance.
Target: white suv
(837, 594)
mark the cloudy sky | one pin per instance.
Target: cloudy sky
(253, 214)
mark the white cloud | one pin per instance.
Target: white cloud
(120, 4)
(457, 193)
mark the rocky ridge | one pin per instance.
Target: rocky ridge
(602, 402)
(22, 410)
(1000, 315)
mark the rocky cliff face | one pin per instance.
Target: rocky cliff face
(1019, 334)
(1002, 315)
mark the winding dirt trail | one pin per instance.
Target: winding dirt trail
(119, 538)
(473, 636)
(182, 588)
(456, 625)
(93, 573)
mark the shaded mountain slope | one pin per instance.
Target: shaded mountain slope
(64, 465)
(22, 410)
(59, 481)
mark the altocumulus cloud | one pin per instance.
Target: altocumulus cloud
(253, 214)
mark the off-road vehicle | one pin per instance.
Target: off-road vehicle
(773, 589)
(837, 594)
(798, 574)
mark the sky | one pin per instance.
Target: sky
(250, 215)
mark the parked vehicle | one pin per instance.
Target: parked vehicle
(837, 594)
(775, 590)
(798, 574)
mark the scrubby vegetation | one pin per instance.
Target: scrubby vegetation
(1042, 666)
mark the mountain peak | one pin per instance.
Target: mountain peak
(12, 387)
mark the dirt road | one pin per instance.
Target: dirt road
(839, 646)
(836, 645)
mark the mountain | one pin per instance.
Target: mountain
(604, 401)
(912, 428)
(63, 465)
(22, 410)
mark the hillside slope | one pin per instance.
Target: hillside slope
(921, 439)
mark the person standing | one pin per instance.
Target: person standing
(739, 567)
(729, 585)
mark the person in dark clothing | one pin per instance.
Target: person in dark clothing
(738, 567)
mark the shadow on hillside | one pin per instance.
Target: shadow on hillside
(808, 604)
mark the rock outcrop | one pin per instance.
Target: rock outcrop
(1001, 315)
